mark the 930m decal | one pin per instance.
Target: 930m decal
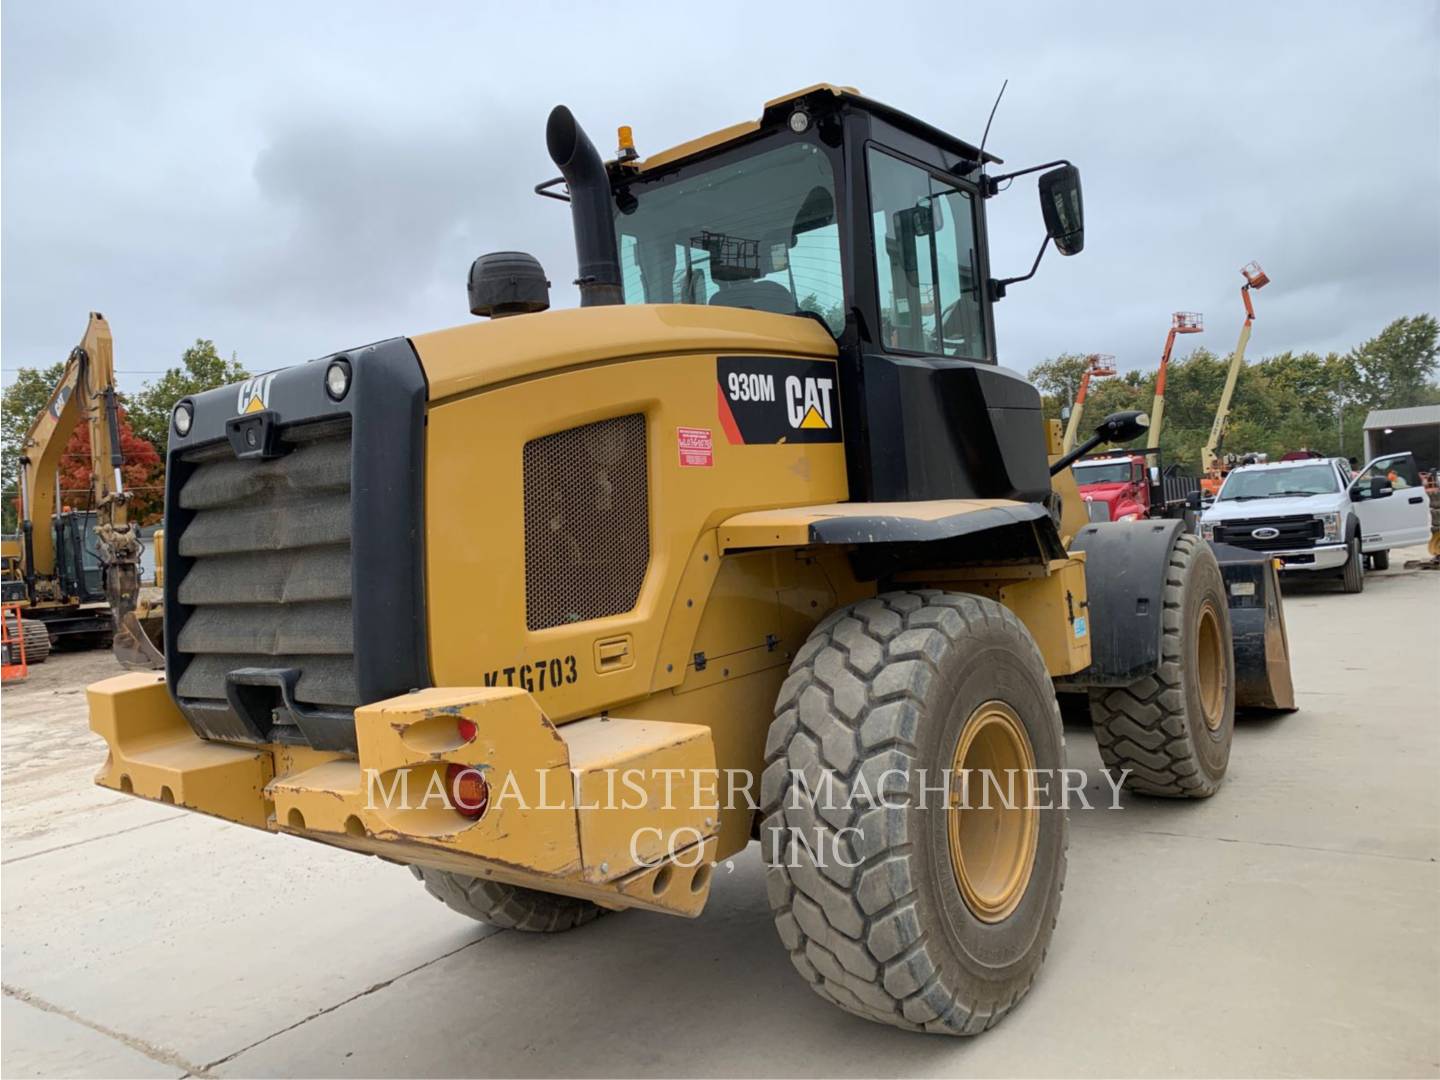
(763, 399)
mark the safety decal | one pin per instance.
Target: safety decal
(697, 447)
(764, 399)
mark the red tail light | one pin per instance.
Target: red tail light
(469, 791)
(466, 728)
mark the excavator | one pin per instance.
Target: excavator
(78, 571)
(1212, 464)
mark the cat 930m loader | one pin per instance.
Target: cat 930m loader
(563, 608)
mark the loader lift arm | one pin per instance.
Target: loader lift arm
(86, 391)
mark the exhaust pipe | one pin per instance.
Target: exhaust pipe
(591, 209)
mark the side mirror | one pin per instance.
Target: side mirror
(1192, 500)
(1122, 427)
(1377, 487)
(1063, 209)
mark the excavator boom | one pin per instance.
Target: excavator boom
(85, 392)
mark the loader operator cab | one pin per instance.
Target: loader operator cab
(841, 209)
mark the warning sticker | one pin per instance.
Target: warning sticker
(697, 447)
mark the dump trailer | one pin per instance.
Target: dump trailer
(564, 608)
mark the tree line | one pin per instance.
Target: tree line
(144, 431)
(1288, 401)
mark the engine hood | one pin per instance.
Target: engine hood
(1245, 509)
(467, 358)
(1103, 492)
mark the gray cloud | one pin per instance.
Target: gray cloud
(289, 179)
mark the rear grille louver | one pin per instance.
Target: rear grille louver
(268, 583)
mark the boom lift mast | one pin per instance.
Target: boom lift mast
(86, 391)
(1255, 278)
(1182, 322)
(1096, 364)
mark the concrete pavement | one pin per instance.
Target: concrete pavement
(1289, 926)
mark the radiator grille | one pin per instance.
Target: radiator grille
(587, 522)
(1299, 531)
(268, 582)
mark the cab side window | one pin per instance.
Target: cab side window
(1397, 469)
(926, 263)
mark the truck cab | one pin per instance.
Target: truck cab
(1114, 487)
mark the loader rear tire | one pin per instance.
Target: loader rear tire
(1169, 733)
(37, 639)
(510, 907)
(902, 909)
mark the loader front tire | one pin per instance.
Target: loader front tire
(1169, 733)
(895, 905)
(510, 907)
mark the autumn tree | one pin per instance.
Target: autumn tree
(143, 473)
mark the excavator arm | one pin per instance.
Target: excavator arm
(85, 393)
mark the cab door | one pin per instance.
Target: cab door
(1395, 519)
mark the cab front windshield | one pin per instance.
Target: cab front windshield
(1108, 472)
(1300, 481)
(759, 233)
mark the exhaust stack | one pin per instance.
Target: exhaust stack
(591, 208)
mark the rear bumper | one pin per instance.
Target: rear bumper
(597, 808)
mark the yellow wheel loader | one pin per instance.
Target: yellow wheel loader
(564, 608)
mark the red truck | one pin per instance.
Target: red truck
(1128, 485)
(1114, 487)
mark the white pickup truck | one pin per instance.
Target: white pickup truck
(1314, 515)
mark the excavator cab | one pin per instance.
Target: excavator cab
(78, 565)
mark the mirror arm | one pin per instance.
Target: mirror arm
(997, 288)
(1063, 463)
(991, 185)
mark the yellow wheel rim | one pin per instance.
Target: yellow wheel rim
(992, 834)
(1210, 668)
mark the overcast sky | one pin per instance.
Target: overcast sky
(289, 179)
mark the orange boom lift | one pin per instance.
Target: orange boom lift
(1210, 462)
(1182, 322)
(1096, 364)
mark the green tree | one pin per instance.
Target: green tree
(22, 402)
(201, 368)
(1058, 380)
(1394, 369)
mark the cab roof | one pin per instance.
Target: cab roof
(775, 110)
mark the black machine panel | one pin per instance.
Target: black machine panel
(934, 428)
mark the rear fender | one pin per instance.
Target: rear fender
(1125, 570)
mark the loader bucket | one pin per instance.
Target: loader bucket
(1257, 627)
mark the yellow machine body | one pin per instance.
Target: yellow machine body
(682, 685)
